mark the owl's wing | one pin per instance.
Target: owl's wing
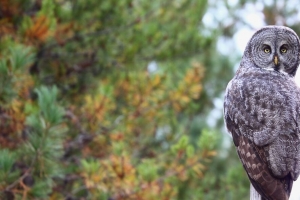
(255, 164)
(263, 108)
(257, 113)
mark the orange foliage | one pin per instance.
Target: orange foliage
(11, 124)
(189, 88)
(120, 118)
(40, 29)
(9, 8)
(116, 171)
(64, 31)
(118, 176)
(6, 27)
(24, 86)
(96, 109)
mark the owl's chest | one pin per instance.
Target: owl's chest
(257, 100)
(262, 86)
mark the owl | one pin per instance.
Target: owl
(262, 111)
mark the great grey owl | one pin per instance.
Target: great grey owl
(262, 111)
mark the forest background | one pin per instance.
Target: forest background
(122, 99)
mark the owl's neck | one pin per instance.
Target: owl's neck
(247, 66)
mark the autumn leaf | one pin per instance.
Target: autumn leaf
(40, 29)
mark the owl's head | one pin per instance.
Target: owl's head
(275, 48)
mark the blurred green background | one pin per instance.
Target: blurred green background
(122, 99)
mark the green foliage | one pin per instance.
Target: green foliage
(48, 106)
(14, 61)
(7, 160)
(85, 116)
(90, 166)
(82, 103)
(148, 170)
(20, 56)
(208, 140)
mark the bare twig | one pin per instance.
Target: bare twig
(26, 173)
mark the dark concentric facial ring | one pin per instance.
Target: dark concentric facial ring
(275, 48)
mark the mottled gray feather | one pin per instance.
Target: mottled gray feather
(261, 111)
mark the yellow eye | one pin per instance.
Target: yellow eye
(267, 50)
(283, 50)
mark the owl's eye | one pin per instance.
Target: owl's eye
(267, 49)
(283, 50)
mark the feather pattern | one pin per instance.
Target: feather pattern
(262, 111)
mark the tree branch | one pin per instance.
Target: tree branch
(254, 195)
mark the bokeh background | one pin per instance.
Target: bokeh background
(122, 99)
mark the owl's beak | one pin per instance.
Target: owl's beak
(276, 61)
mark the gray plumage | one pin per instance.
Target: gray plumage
(262, 111)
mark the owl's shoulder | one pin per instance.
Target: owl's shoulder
(255, 98)
(253, 81)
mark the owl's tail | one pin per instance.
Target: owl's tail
(255, 163)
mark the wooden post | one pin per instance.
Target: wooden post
(253, 194)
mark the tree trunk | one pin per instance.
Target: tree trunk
(253, 194)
